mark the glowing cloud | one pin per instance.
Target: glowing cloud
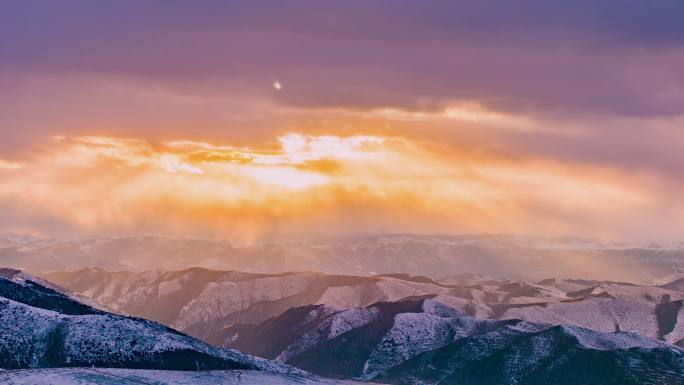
(5, 165)
(306, 182)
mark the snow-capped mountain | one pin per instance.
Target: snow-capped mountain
(429, 255)
(422, 341)
(204, 302)
(387, 328)
(558, 355)
(41, 327)
(201, 302)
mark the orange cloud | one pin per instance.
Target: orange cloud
(317, 183)
(7, 165)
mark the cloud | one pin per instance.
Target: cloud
(7, 165)
(308, 183)
(475, 97)
(615, 57)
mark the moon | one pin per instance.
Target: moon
(277, 85)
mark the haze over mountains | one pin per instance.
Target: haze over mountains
(434, 256)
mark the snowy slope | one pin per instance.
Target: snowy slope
(92, 376)
(422, 341)
(41, 327)
(560, 354)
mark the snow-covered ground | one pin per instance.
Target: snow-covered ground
(391, 340)
(104, 376)
(41, 327)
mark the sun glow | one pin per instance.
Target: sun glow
(285, 177)
(306, 181)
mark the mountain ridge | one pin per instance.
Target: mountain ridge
(400, 342)
(434, 256)
(203, 302)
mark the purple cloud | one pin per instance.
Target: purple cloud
(580, 56)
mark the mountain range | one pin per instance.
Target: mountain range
(486, 309)
(435, 256)
(421, 341)
(42, 326)
(413, 329)
(203, 302)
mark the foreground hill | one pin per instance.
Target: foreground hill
(204, 302)
(41, 327)
(421, 341)
(92, 376)
(435, 256)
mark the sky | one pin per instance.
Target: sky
(257, 118)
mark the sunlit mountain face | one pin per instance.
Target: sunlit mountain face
(397, 191)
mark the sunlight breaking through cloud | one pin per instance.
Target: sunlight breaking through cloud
(307, 181)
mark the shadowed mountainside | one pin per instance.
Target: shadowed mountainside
(419, 340)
